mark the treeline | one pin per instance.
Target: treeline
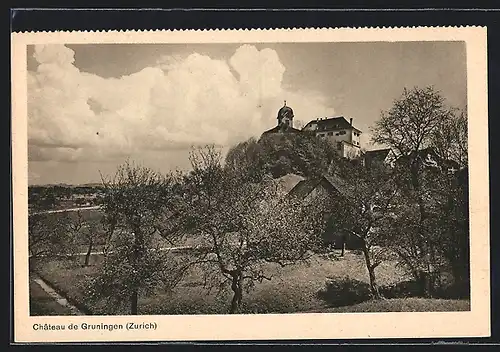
(51, 196)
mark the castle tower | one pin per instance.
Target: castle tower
(285, 117)
(285, 122)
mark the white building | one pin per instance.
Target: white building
(339, 131)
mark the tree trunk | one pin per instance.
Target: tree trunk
(136, 256)
(89, 251)
(371, 273)
(423, 281)
(134, 297)
(432, 273)
(423, 278)
(461, 280)
(373, 283)
(343, 240)
(238, 293)
(138, 245)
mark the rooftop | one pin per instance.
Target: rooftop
(289, 181)
(379, 154)
(278, 129)
(332, 123)
(304, 187)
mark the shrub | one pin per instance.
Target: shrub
(344, 291)
(448, 288)
(402, 289)
(444, 290)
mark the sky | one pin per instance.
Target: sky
(93, 106)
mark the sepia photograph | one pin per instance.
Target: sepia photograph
(247, 178)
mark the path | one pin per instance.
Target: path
(173, 249)
(57, 297)
(66, 210)
(160, 249)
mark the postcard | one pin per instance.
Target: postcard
(250, 184)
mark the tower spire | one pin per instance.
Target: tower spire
(284, 103)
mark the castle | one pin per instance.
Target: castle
(335, 129)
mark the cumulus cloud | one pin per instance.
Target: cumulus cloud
(183, 101)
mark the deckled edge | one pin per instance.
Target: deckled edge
(232, 29)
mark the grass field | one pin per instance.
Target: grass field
(402, 305)
(292, 289)
(87, 214)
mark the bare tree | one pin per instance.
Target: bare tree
(367, 201)
(87, 231)
(49, 236)
(448, 223)
(75, 227)
(240, 226)
(134, 203)
(412, 120)
(417, 120)
(450, 139)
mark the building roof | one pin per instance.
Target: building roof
(332, 124)
(379, 154)
(278, 129)
(303, 188)
(285, 110)
(347, 142)
(430, 157)
(332, 183)
(340, 185)
(288, 182)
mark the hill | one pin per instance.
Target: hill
(281, 154)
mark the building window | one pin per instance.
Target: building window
(330, 133)
(342, 133)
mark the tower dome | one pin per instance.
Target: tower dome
(285, 116)
(285, 111)
(285, 122)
